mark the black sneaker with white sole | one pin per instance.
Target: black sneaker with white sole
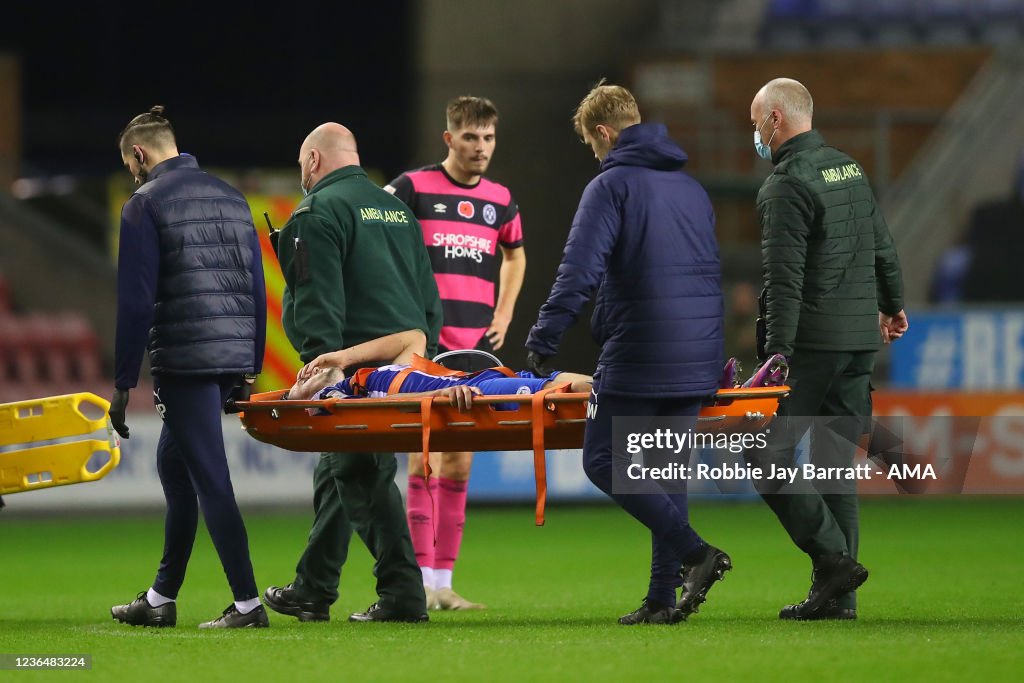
(232, 618)
(139, 612)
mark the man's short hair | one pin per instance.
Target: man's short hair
(606, 105)
(150, 128)
(790, 97)
(467, 111)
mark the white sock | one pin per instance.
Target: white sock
(442, 578)
(428, 577)
(246, 606)
(155, 599)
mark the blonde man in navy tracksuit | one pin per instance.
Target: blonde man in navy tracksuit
(644, 238)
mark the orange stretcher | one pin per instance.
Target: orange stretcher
(552, 418)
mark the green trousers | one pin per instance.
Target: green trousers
(831, 397)
(358, 491)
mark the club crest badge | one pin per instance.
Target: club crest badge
(490, 214)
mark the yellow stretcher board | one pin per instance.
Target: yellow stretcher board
(55, 418)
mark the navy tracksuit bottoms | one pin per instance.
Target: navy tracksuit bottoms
(663, 512)
(194, 474)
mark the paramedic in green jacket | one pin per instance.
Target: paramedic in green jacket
(832, 290)
(355, 269)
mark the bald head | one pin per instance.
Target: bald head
(791, 98)
(329, 147)
(781, 109)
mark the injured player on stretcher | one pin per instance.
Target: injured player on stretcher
(412, 376)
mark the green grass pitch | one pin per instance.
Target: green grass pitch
(944, 602)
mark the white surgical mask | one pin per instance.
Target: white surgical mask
(763, 149)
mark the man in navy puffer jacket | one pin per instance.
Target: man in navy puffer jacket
(190, 291)
(644, 238)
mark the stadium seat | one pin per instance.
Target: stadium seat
(948, 22)
(892, 22)
(793, 9)
(841, 24)
(5, 295)
(80, 345)
(1000, 21)
(44, 338)
(788, 24)
(21, 364)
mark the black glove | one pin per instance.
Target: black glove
(241, 392)
(117, 405)
(538, 364)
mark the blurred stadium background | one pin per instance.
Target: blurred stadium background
(926, 94)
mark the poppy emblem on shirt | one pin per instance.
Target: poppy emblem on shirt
(466, 209)
(490, 214)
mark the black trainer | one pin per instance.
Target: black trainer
(649, 613)
(833, 575)
(698, 578)
(377, 613)
(140, 613)
(831, 610)
(286, 601)
(232, 618)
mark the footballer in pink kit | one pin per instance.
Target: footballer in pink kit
(474, 236)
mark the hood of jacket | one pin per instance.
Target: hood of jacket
(647, 145)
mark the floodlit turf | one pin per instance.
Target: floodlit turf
(944, 602)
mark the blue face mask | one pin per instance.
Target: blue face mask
(763, 149)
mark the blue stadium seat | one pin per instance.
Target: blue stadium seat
(892, 22)
(839, 10)
(948, 22)
(788, 24)
(841, 24)
(796, 24)
(793, 9)
(1000, 9)
(1000, 21)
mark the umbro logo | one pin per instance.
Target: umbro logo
(440, 208)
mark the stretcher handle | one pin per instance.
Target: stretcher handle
(115, 459)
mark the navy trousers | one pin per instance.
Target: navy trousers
(665, 513)
(194, 474)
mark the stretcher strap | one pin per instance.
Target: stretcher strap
(539, 462)
(425, 405)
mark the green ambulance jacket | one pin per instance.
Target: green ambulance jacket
(355, 268)
(827, 258)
